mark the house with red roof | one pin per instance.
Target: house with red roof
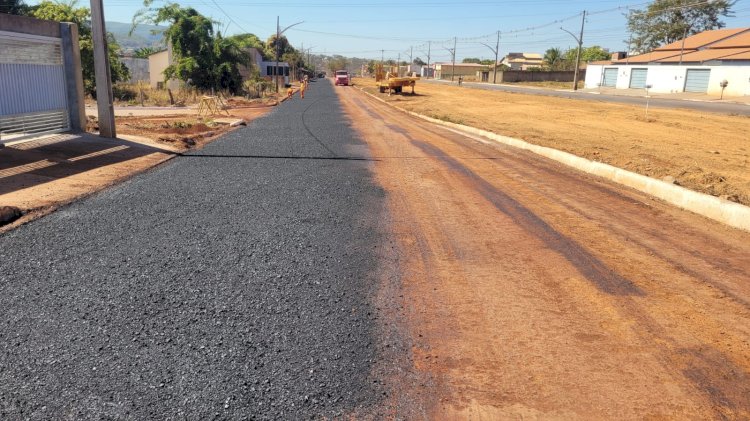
(701, 63)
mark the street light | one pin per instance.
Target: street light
(579, 40)
(278, 35)
(495, 50)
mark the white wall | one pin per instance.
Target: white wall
(671, 79)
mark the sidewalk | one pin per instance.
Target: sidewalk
(38, 176)
(683, 96)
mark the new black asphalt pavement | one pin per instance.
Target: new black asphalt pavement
(237, 282)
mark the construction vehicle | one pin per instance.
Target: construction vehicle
(388, 78)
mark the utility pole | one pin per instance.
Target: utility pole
(684, 30)
(579, 40)
(494, 50)
(453, 67)
(453, 58)
(102, 72)
(279, 31)
(497, 50)
(429, 47)
(398, 65)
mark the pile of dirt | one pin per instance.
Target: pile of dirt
(184, 131)
(9, 214)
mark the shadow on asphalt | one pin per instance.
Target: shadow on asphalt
(56, 157)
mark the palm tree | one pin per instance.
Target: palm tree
(553, 58)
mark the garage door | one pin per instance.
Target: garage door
(610, 77)
(697, 80)
(32, 82)
(638, 78)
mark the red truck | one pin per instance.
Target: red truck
(342, 78)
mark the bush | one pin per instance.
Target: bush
(124, 92)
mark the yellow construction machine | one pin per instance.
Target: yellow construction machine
(388, 78)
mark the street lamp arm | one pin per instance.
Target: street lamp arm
(294, 24)
(494, 51)
(572, 35)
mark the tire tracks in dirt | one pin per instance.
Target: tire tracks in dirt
(677, 346)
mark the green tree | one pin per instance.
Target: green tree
(249, 41)
(283, 44)
(472, 60)
(553, 59)
(588, 54)
(62, 11)
(145, 52)
(201, 57)
(337, 63)
(666, 21)
(418, 61)
(14, 7)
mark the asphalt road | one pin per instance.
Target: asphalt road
(236, 282)
(714, 107)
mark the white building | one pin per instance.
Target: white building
(701, 65)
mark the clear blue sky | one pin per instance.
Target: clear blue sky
(362, 29)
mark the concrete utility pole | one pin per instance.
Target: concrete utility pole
(429, 51)
(279, 31)
(453, 58)
(429, 45)
(494, 50)
(684, 29)
(453, 67)
(398, 66)
(579, 40)
(102, 72)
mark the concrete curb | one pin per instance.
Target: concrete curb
(724, 211)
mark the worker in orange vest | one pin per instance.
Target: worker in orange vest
(302, 88)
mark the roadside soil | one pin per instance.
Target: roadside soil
(709, 153)
(532, 291)
(40, 175)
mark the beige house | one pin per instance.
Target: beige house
(446, 70)
(522, 61)
(157, 63)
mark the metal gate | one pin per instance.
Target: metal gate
(610, 77)
(638, 78)
(32, 83)
(697, 80)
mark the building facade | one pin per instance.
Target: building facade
(712, 62)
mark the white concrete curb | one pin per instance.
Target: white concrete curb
(724, 211)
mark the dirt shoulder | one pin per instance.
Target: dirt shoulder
(532, 291)
(38, 176)
(709, 153)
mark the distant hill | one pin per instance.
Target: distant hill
(142, 35)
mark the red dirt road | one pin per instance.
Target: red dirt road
(534, 291)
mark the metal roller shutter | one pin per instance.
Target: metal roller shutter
(697, 80)
(638, 78)
(32, 82)
(610, 77)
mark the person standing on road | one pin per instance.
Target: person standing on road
(302, 88)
